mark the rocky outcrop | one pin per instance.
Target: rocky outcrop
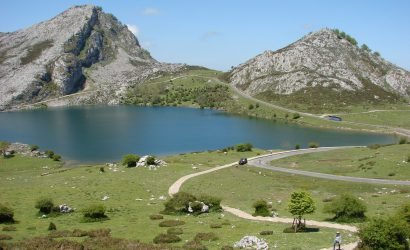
(81, 49)
(321, 60)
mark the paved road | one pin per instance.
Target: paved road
(265, 162)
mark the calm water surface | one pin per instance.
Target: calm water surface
(105, 133)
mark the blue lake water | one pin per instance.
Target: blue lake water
(106, 133)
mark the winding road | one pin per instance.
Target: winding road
(263, 161)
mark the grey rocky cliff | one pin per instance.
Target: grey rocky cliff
(319, 59)
(83, 50)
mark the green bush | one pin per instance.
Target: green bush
(150, 160)
(243, 147)
(130, 160)
(205, 237)
(6, 214)
(34, 147)
(56, 157)
(266, 233)
(49, 153)
(95, 212)
(374, 146)
(404, 213)
(99, 233)
(45, 205)
(261, 208)
(52, 226)
(175, 230)
(296, 116)
(5, 237)
(215, 225)
(380, 233)
(166, 238)
(313, 144)
(250, 106)
(408, 158)
(403, 140)
(346, 208)
(178, 203)
(297, 146)
(171, 223)
(227, 248)
(213, 202)
(156, 217)
(194, 245)
(9, 228)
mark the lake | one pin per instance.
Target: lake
(106, 133)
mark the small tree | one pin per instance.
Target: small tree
(389, 233)
(376, 53)
(261, 208)
(6, 214)
(52, 226)
(130, 160)
(365, 48)
(313, 144)
(346, 208)
(300, 203)
(94, 212)
(45, 205)
(243, 147)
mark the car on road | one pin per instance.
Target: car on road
(243, 161)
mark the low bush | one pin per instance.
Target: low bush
(261, 208)
(374, 146)
(94, 213)
(215, 225)
(9, 228)
(194, 245)
(175, 230)
(34, 147)
(403, 140)
(49, 153)
(5, 237)
(213, 202)
(297, 146)
(266, 233)
(171, 223)
(6, 214)
(59, 234)
(346, 208)
(150, 160)
(130, 160)
(296, 116)
(79, 233)
(166, 238)
(196, 207)
(178, 203)
(56, 157)
(156, 217)
(52, 226)
(313, 144)
(245, 147)
(227, 248)
(205, 237)
(99, 233)
(408, 158)
(44, 205)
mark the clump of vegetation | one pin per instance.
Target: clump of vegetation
(181, 202)
(5, 237)
(9, 228)
(346, 208)
(261, 208)
(99, 233)
(166, 238)
(56, 157)
(52, 226)
(244, 147)
(343, 35)
(313, 145)
(35, 51)
(408, 158)
(44, 205)
(403, 140)
(6, 214)
(374, 146)
(266, 233)
(171, 223)
(213, 202)
(156, 217)
(49, 153)
(130, 160)
(94, 213)
(34, 147)
(215, 225)
(151, 160)
(194, 245)
(296, 116)
(297, 146)
(175, 230)
(205, 237)
(300, 203)
(3, 147)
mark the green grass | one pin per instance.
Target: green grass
(389, 118)
(387, 162)
(21, 183)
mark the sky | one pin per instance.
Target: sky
(219, 34)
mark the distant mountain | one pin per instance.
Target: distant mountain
(81, 50)
(322, 68)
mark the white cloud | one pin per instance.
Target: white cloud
(150, 11)
(134, 29)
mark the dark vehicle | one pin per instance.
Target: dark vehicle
(243, 161)
(334, 118)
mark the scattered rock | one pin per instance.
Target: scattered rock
(106, 197)
(252, 242)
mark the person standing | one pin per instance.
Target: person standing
(338, 241)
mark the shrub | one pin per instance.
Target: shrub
(313, 145)
(389, 233)
(34, 147)
(150, 160)
(156, 217)
(205, 237)
(257, 105)
(408, 158)
(194, 245)
(130, 160)
(374, 146)
(171, 223)
(79, 233)
(227, 248)
(175, 230)
(99, 233)
(215, 225)
(52, 226)
(178, 203)
(49, 153)
(45, 205)
(59, 234)
(250, 106)
(94, 212)
(266, 233)
(5, 237)
(196, 207)
(9, 228)
(403, 140)
(296, 116)
(166, 238)
(56, 157)
(243, 147)
(297, 146)
(346, 208)
(6, 214)
(261, 208)
(404, 212)
(213, 202)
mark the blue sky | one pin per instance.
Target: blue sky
(225, 33)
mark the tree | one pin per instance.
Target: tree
(300, 203)
(261, 208)
(346, 208)
(130, 160)
(389, 233)
(365, 48)
(376, 53)
(45, 205)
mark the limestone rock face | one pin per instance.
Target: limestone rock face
(320, 59)
(82, 50)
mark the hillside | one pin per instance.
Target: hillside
(322, 71)
(82, 49)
